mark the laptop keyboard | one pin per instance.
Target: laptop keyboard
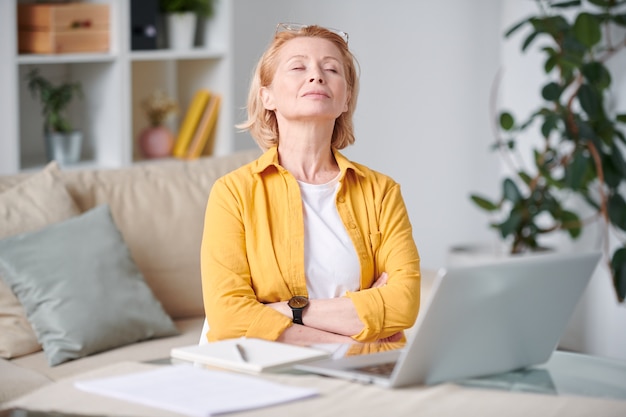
(381, 369)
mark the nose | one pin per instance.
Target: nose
(316, 75)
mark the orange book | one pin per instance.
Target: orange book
(204, 138)
(190, 123)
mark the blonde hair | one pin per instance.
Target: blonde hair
(262, 123)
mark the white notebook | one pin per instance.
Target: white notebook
(248, 355)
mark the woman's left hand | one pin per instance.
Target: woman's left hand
(396, 337)
(381, 281)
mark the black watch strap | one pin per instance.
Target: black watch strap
(297, 315)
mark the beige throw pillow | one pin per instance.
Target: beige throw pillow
(38, 201)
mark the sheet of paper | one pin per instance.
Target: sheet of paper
(195, 391)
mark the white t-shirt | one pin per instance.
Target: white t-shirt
(331, 263)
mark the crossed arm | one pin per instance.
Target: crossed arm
(321, 323)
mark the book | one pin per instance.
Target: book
(248, 354)
(190, 122)
(194, 392)
(204, 137)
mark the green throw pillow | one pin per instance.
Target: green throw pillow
(81, 289)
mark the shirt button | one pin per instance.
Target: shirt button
(352, 226)
(341, 199)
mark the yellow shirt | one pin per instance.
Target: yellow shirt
(253, 250)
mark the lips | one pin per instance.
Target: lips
(316, 93)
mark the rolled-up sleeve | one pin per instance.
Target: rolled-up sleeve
(390, 309)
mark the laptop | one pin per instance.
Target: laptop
(480, 320)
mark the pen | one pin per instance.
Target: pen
(241, 352)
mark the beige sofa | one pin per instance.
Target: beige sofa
(158, 207)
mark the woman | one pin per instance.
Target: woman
(302, 245)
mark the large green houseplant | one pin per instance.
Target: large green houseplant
(63, 142)
(582, 140)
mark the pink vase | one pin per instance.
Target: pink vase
(156, 142)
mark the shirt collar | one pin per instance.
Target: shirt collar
(270, 158)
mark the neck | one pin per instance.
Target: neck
(306, 153)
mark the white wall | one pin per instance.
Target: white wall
(422, 117)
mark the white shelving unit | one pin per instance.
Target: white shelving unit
(114, 85)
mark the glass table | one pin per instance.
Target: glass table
(566, 373)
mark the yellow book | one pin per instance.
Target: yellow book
(192, 118)
(210, 145)
(204, 138)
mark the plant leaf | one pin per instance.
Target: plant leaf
(612, 177)
(515, 27)
(483, 203)
(618, 159)
(550, 64)
(565, 4)
(549, 124)
(587, 29)
(552, 25)
(529, 39)
(510, 191)
(597, 74)
(617, 211)
(619, 19)
(506, 120)
(601, 3)
(571, 222)
(589, 100)
(525, 177)
(576, 171)
(510, 225)
(618, 264)
(551, 91)
(621, 118)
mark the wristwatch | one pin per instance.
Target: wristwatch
(297, 304)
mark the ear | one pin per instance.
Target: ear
(267, 98)
(347, 105)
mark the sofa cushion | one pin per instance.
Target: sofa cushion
(35, 202)
(80, 288)
(159, 209)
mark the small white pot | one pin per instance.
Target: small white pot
(181, 30)
(475, 254)
(484, 253)
(65, 148)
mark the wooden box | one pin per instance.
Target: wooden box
(63, 28)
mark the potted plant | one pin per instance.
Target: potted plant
(181, 20)
(157, 141)
(63, 143)
(582, 140)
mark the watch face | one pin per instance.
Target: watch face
(298, 302)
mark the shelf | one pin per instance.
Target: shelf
(169, 54)
(114, 84)
(64, 58)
